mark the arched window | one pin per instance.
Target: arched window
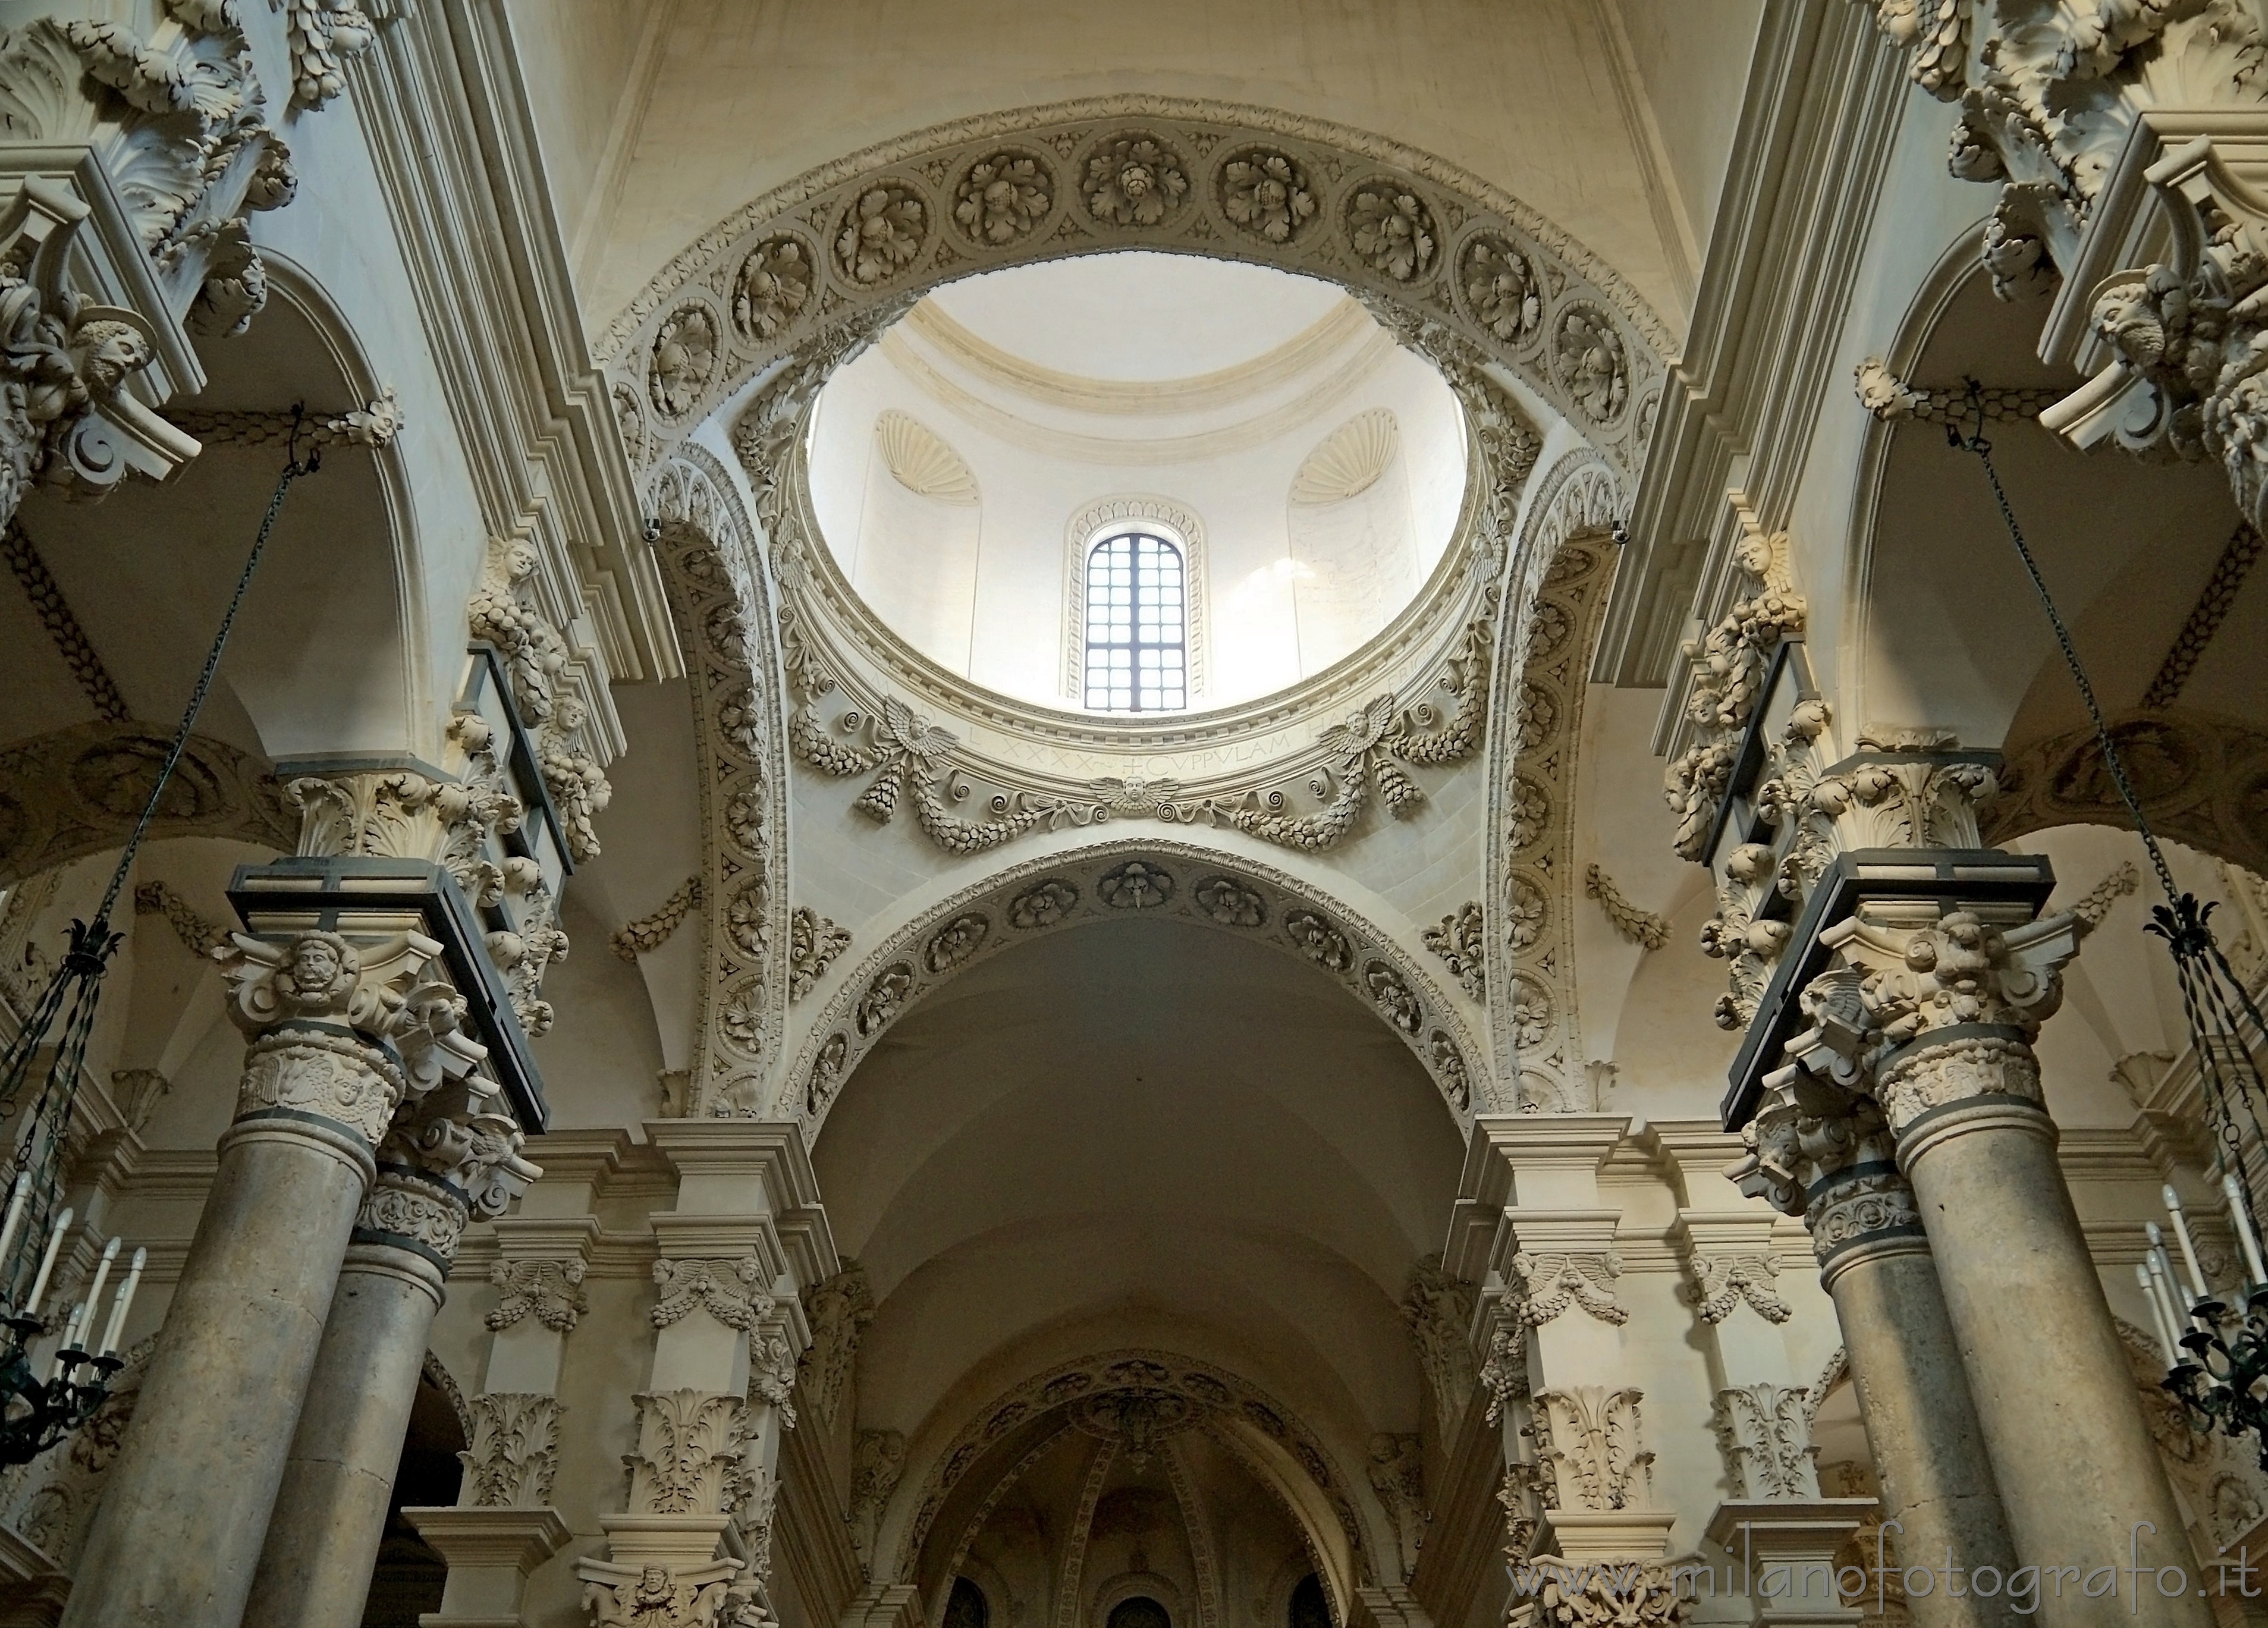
(966, 1606)
(1141, 1612)
(1136, 625)
(1309, 1606)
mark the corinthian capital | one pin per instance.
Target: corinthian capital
(463, 1137)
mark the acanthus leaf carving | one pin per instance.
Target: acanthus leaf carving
(1765, 1431)
(1461, 941)
(689, 1453)
(813, 944)
(1591, 1440)
(514, 1455)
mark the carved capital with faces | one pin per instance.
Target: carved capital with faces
(462, 1136)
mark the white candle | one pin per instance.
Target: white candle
(70, 1339)
(94, 1294)
(2158, 1315)
(125, 1298)
(2189, 1249)
(48, 1264)
(2234, 1191)
(2162, 1276)
(18, 1196)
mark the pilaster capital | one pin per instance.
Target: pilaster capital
(690, 1452)
(514, 1453)
(1765, 1433)
(1591, 1440)
(463, 1137)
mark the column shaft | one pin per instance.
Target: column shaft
(315, 1570)
(178, 1532)
(1921, 1426)
(2079, 1473)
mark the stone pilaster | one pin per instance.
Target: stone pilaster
(746, 1238)
(450, 1158)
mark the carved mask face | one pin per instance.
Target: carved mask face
(314, 966)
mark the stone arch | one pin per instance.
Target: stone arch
(1441, 256)
(1336, 1512)
(1114, 880)
(721, 596)
(1555, 591)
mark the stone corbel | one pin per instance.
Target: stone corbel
(70, 366)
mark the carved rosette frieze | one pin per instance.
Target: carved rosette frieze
(1551, 1282)
(1128, 172)
(1721, 1283)
(1177, 882)
(514, 1455)
(549, 1291)
(1765, 1433)
(1591, 1441)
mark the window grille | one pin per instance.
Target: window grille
(1136, 625)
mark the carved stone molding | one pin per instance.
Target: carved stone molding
(514, 1455)
(649, 933)
(1622, 1594)
(378, 422)
(813, 944)
(878, 1459)
(1035, 897)
(452, 1155)
(1437, 1309)
(1726, 671)
(1397, 1475)
(729, 1290)
(721, 596)
(198, 936)
(1765, 1432)
(1556, 584)
(1504, 1370)
(2199, 778)
(80, 789)
(551, 1291)
(1269, 188)
(1643, 928)
(1721, 1283)
(838, 1309)
(137, 1092)
(1551, 1282)
(659, 1596)
(1590, 1442)
(1462, 942)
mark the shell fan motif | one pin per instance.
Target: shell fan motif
(922, 462)
(1349, 460)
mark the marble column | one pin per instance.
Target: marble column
(1826, 1156)
(1936, 1017)
(448, 1158)
(334, 1046)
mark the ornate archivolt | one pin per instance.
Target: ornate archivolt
(1141, 1396)
(1177, 882)
(832, 249)
(79, 790)
(1556, 586)
(721, 595)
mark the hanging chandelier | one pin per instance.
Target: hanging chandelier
(2216, 1351)
(46, 1395)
